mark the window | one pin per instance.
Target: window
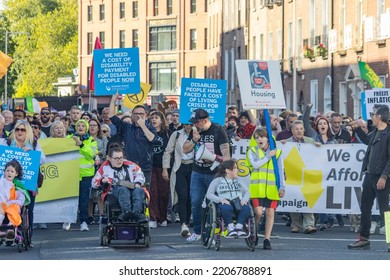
(205, 72)
(135, 38)
(135, 9)
(205, 39)
(122, 10)
(89, 10)
(162, 38)
(89, 75)
(102, 37)
(169, 7)
(163, 76)
(122, 39)
(193, 6)
(205, 6)
(101, 12)
(192, 72)
(155, 7)
(89, 43)
(192, 39)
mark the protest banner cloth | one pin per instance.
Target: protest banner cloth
(329, 182)
(58, 198)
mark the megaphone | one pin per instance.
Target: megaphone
(205, 154)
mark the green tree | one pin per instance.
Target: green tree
(45, 33)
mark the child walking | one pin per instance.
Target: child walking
(223, 189)
(12, 197)
(263, 189)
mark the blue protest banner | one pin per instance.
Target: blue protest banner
(28, 160)
(209, 95)
(116, 70)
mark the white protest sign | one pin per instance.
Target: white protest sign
(260, 84)
(372, 97)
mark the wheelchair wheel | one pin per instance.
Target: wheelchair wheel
(209, 225)
(252, 240)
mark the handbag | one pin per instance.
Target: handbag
(236, 203)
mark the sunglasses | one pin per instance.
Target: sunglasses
(45, 113)
(35, 126)
(104, 131)
(20, 129)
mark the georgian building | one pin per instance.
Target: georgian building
(317, 42)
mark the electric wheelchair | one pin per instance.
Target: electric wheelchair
(213, 228)
(111, 227)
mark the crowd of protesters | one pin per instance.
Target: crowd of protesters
(164, 149)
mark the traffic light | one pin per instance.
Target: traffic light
(80, 102)
(119, 101)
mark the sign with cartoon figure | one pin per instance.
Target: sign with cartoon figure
(260, 84)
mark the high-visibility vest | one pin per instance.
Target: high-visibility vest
(263, 181)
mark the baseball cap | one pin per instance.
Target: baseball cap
(198, 114)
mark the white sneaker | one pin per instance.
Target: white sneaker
(164, 224)
(84, 227)
(184, 230)
(373, 227)
(382, 230)
(152, 224)
(66, 226)
(194, 237)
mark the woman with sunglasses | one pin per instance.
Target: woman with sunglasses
(37, 130)
(22, 137)
(106, 131)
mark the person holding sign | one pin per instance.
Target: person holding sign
(263, 188)
(12, 197)
(376, 165)
(22, 137)
(211, 138)
(138, 136)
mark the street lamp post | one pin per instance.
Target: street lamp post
(6, 52)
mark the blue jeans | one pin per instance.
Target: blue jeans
(129, 200)
(227, 213)
(199, 184)
(84, 190)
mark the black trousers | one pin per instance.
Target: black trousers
(369, 194)
(182, 187)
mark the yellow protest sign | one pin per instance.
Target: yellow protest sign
(132, 100)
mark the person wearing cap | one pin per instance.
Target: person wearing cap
(175, 121)
(212, 137)
(45, 119)
(245, 129)
(88, 151)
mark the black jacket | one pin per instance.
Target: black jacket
(381, 148)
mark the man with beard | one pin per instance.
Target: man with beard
(46, 120)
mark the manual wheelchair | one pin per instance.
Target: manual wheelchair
(22, 234)
(112, 228)
(213, 228)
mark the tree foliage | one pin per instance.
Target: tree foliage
(45, 38)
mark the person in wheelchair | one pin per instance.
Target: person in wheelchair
(122, 179)
(226, 188)
(12, 197)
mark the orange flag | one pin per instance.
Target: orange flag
(5, 62)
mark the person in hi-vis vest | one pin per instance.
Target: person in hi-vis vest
(263, 189)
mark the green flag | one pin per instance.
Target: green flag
(369, 75)
(29, 104)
